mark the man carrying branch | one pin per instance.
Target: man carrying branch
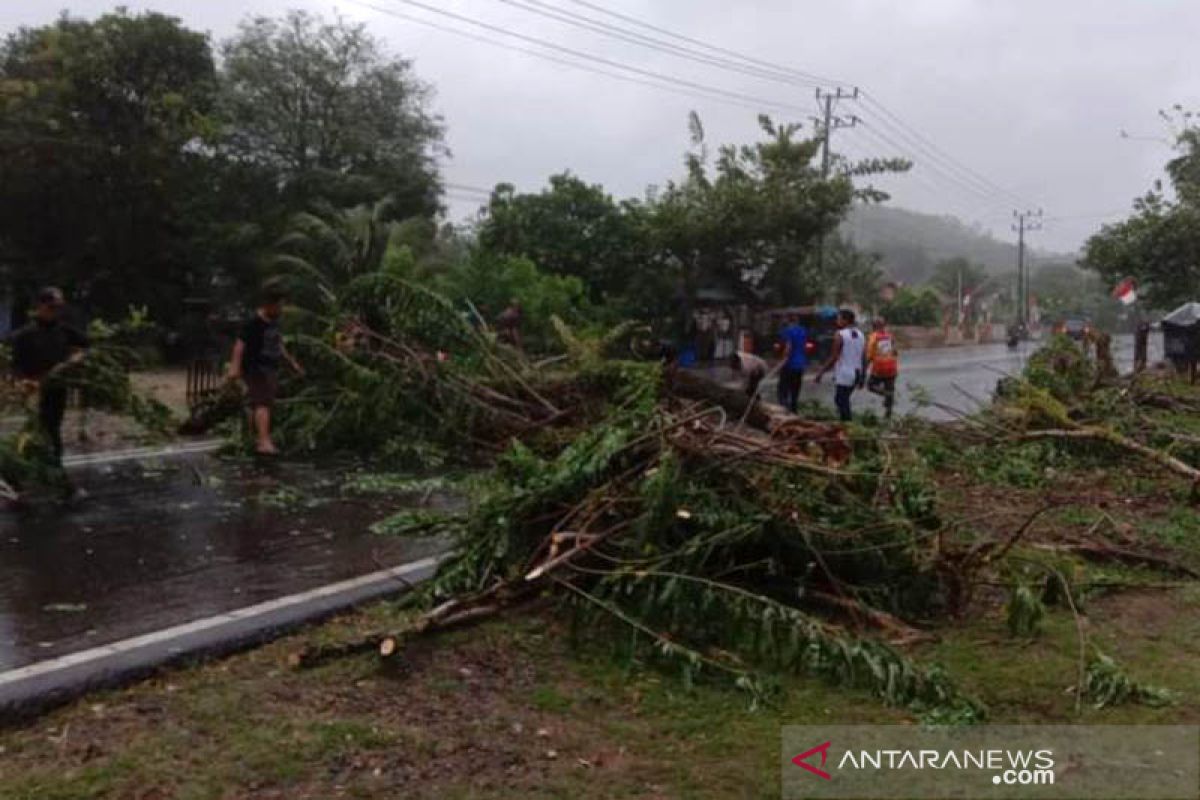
(38, 350)
(257, 355)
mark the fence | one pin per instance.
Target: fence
(204, 380)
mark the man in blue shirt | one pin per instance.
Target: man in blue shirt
(794, 338)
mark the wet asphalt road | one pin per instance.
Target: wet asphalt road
(170, 541)
(160, 543)
(960, 377)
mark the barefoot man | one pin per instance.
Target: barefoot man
(257, 355)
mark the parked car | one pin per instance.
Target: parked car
(821, 322)
(1077, 327)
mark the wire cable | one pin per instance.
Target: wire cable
(740, 97)
(623, 34)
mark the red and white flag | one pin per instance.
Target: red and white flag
(1126, 292)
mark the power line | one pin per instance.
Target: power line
(932, 168)
(463, 187)
(888, 113)
(659, 45)
(920, 145)
(898, 125)
(892, 127)
(889, 133)
(549, 57)
(709, 46)
(731, 95)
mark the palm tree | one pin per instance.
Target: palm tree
(326, 250)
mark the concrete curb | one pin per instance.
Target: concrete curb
(139, 453)
(33, 689)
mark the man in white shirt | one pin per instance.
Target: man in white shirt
(846, 361)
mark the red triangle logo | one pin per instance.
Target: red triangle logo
(802, 760)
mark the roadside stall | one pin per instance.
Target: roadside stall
(1181, 338)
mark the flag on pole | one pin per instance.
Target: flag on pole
(1126, 292)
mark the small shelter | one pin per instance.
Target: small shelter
(1181, 337)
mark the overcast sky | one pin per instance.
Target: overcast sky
(1028, 95)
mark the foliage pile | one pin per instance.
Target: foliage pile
(727, 549)
(98, 382)
(697, 528)
(1069, 400)
(396, 371)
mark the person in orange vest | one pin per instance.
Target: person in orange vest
(883, 364)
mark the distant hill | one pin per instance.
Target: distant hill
(911, 243)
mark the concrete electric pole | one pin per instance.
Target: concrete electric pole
(827, 125)
(1026, 221)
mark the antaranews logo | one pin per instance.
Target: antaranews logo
(802, 760)
(1020, 767)
(888, 762)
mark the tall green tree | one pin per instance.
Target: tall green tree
(1159, 245)
(573, 228)
(335, 116)
(751, 218)
(101, 148)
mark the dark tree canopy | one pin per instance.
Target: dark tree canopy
(103, 125)
(337, 118)
(135, 172)
(571, 228)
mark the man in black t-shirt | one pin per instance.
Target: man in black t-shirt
(257, 355)
(38, 349)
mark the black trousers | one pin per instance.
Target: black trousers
(885, 388)
(52, 407)
(841, 399)
(790, 381)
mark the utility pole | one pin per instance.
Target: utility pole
(827, 125)
(1026, 221)
(960, 296)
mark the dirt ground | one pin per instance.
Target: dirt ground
(94, 431)
(518, 708)
(168, 386)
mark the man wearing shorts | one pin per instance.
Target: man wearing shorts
(257, 355)
(883, 364)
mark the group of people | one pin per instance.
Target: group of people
(856, 361)
(47, 343)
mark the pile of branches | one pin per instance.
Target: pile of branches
(100, 382)
(397, 372)
(711, 532)
(728, 539)
(1072, 398)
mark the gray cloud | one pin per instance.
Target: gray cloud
(1029, 94)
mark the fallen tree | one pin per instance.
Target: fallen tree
(717, 533)
(98, 382)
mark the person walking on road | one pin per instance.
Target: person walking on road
(750, 365)
(1141, 346)
(794, 338)
(846, 360)
(38, 350)
(883, 364)
(257, 355)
